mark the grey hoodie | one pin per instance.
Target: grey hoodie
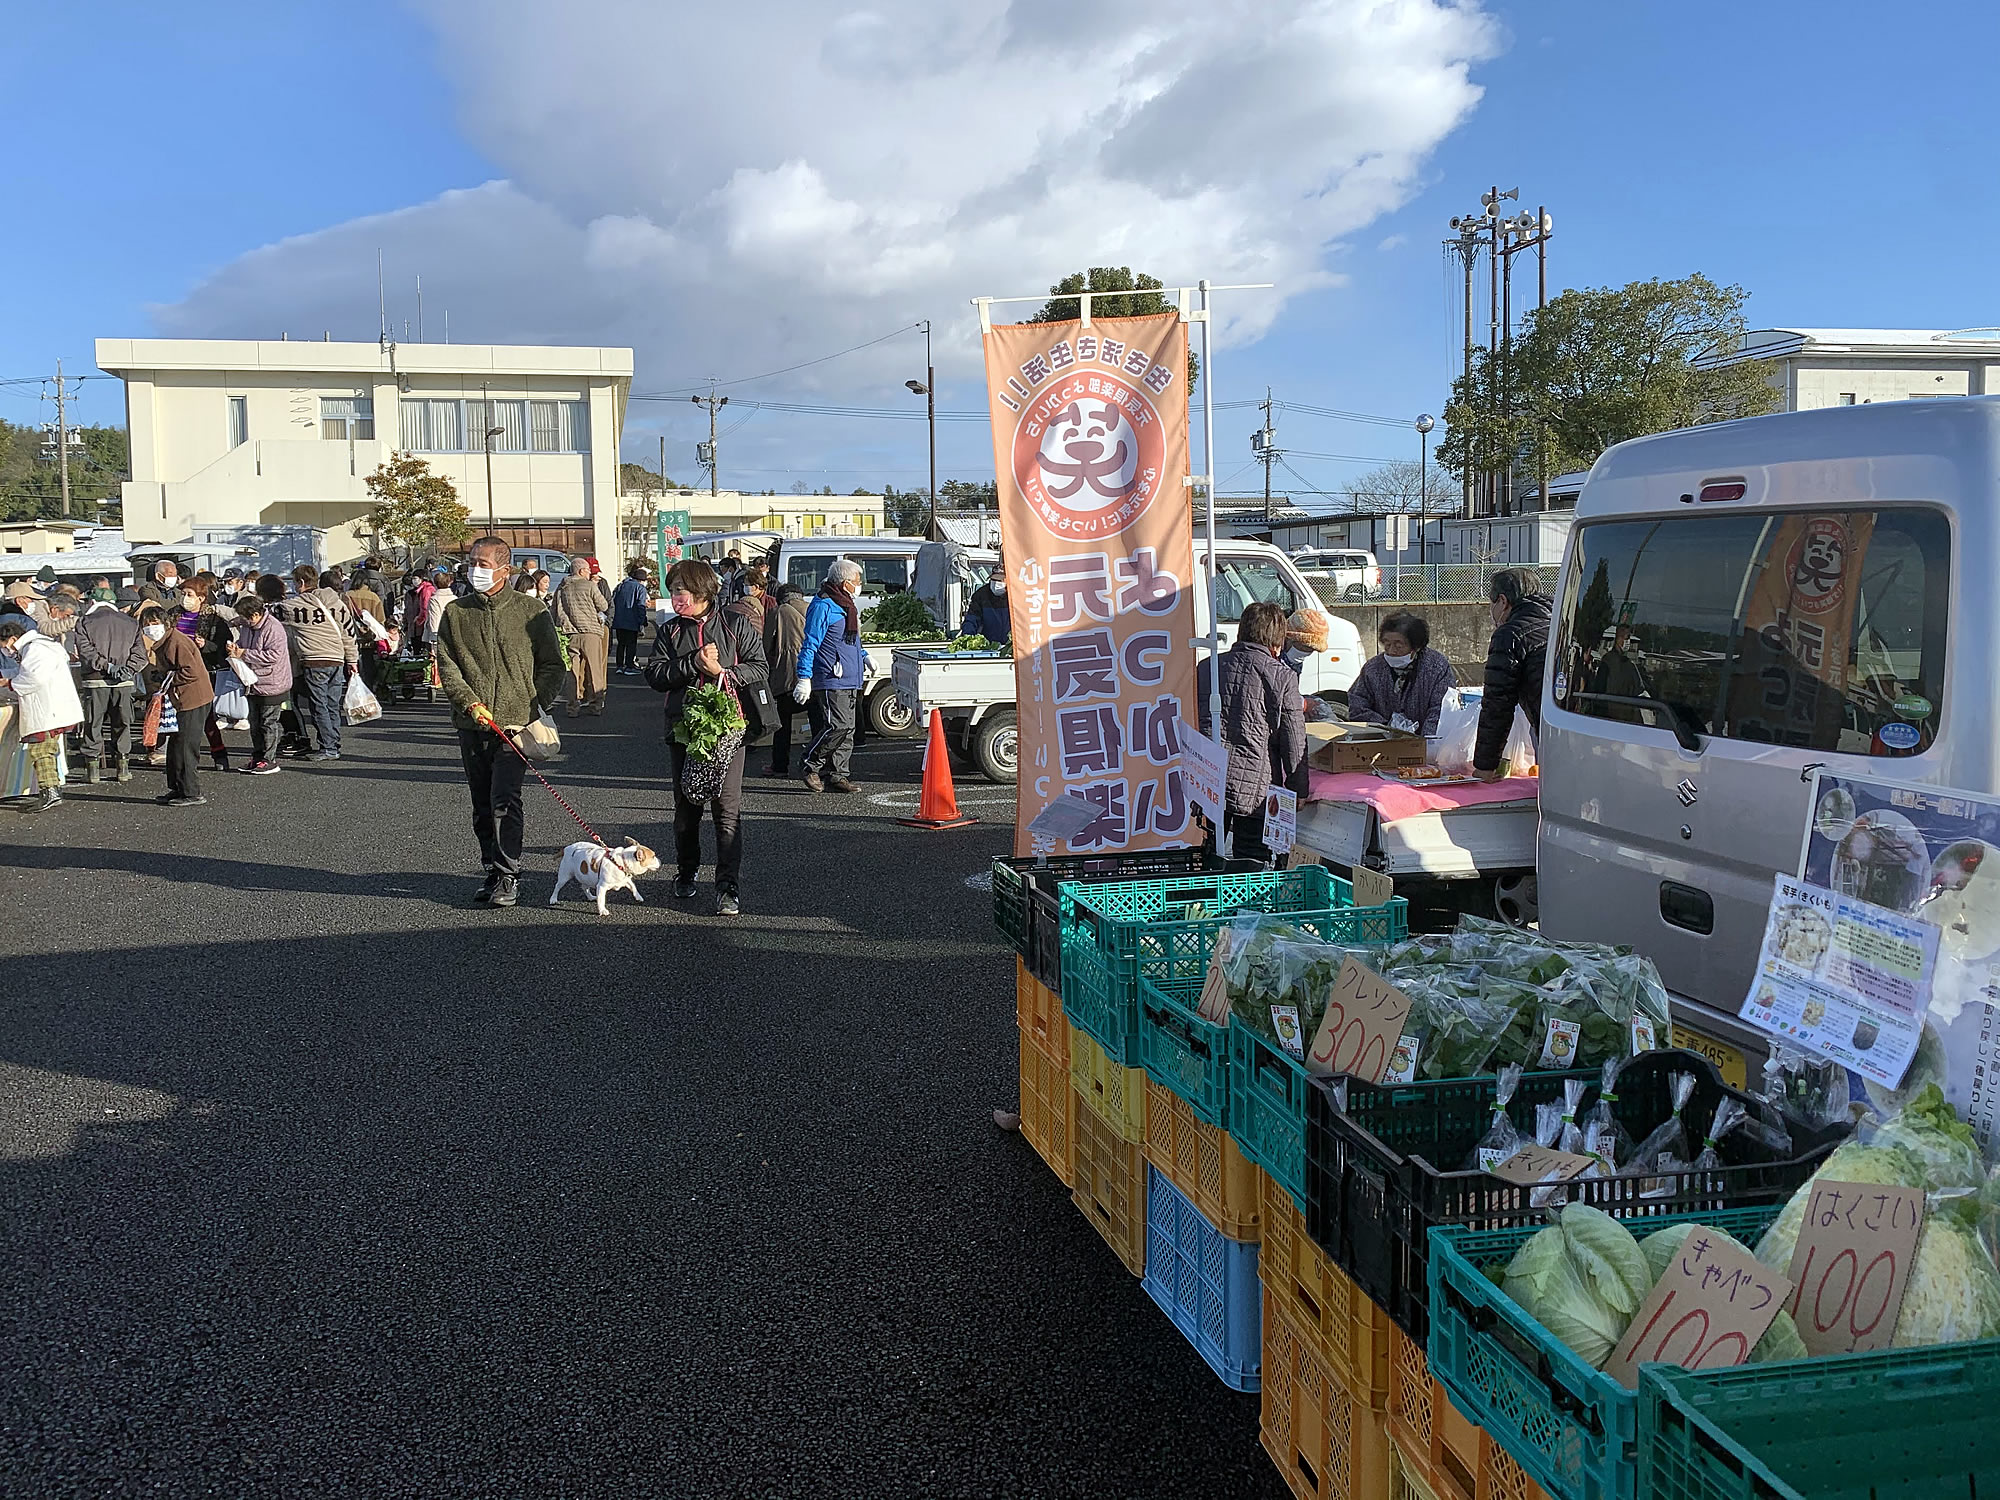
(322, 627)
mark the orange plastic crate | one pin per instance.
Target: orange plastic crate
(1202, 1161)
(1454, 1459)
(1117, 1093)
(1110, 1185)
(1408, 1479)
(1322, 1300)
(1048, 1108)
(1039, 1010)
(1327, 1445)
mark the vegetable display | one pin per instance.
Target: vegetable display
(899, 618)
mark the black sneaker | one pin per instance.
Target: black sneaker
(506, 891)
(683, 887)
(187, 802)
(725, 904)
(487, 887)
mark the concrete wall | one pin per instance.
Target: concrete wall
(1460, 631)
(1817, 385)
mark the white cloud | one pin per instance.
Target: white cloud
(732, 189)
(1393, 242)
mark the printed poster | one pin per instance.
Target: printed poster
(1931, 853)
(1844, 978)
(1090, 449)
(671, 544)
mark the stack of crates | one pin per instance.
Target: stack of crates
(1108, 1103)
(1434, 1447)
(1048, 1101)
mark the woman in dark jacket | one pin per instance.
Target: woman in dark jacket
(1404, 686)
(1263, 726)
(702, 644)
(202, 623)
(784, 631)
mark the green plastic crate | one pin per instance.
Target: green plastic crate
(1026, 908)
(1182, 1052)
(1573, 1428)
(1903, 1424)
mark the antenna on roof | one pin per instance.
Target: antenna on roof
(381, 303)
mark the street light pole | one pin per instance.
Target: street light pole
(928, 390)
(492, 432)
(1425, 423)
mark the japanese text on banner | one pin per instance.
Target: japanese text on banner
(1090, 449)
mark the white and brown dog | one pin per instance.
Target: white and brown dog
(599, 870)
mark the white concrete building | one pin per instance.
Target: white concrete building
(1857, 366)
(739, 510)
(283, 432)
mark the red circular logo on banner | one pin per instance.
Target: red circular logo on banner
(1087, 454)
(1818, 566)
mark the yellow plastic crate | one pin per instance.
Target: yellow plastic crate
(1327, 1445)
(1408, 1479)
(1202, 1161)
(1322, 1300)
(1454, 1459)
(1039, 1011)
(1048, 1108)
(1110, 1185)
(1116, 1094)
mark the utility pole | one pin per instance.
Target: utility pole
(62, 437)
(1466, 248)
(706, 452)
(1269, 455)
(1521, 232)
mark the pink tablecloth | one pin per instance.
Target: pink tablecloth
(1395, 799)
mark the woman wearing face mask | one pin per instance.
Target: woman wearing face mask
(38, 671)
(201, 622)
(179, 673)
(1404, 687)
(987, 614)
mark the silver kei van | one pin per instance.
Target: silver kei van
(1740, 604)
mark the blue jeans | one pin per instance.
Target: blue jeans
(323, 687)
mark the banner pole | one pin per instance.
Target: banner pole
(1208, 462)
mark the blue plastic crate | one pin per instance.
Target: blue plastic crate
(1267, 1107)
(1206, 1283)
(1182, 1052)
(1115, 933)
(1574, 1429)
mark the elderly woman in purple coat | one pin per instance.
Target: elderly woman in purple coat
(1404, 686)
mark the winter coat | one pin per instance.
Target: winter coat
(322, 627)
(500, 650)
(434, 608)
(43, 682)
(1515, 660)
(784, 631)
(269, 652)
(1377, 695)
(178, 667)
(987, 615)
(739, 646)
(365, 601)
(1263, 726)
(580, 605)
(628, 605)
(417, 611)
(830, 643)
(109, 647)
(210, 632)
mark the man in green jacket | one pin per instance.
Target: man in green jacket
(501, 665)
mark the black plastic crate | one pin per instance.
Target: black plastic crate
(1380, 1175)
(1028, 913)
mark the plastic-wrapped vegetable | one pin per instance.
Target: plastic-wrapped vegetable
(1572, 1132)
(1811, 1090)
(1670, 1136)
(1729, 1114)
(1603, 1136)
(1501, 1140)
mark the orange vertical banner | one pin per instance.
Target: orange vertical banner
(1090, 447)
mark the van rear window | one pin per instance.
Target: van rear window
(1818, 629)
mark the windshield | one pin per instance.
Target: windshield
(1823, 630)
(1243, 581)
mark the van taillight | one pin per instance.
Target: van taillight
(1722, 492)
(1374, 578)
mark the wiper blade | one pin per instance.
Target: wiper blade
(1683, 726)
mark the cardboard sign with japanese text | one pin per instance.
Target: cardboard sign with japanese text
(1362, 1025)
(1090, 453)
(1851, 1264)
(1532, 1166)
(1372, 887)
(1707, 1311)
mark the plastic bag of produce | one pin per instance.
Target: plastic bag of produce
(1667, 1140)
(1603, 1136)
(1501, 1140)
(1729, 1114)
(1812, 1091)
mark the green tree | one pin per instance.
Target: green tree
(908, 510)
(1593, 611)
(31, 485)
(1132, 295)
(968, 494)
(414, 507)
(1602, 364)
(636, 479)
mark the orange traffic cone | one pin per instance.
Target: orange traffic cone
(938, 807)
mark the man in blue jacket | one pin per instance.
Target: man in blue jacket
(987, 613)
(628, 617)
(829, 678)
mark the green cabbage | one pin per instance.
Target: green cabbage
(1953, 1292)
(1608, 1256)
(1889, 1166)
(1660, 1248)
(1780, 1341)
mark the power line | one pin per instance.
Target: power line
(1343, 458)
(1343, 416)
(678, 391)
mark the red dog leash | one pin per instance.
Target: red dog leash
(596, 837)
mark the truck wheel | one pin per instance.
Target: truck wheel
(996, 746)
(1516, 899)
(887, 717)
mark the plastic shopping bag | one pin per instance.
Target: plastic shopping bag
(1520, 755)
(231, 702)
(359, 706)
(1458, 730)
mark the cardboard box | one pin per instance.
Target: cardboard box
(1363, 747)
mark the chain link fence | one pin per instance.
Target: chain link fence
(1430, 583)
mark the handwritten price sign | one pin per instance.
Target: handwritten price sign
(1707, 1312)
(1851, 1264)
(1363, 1023)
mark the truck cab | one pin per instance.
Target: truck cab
(1741, 604)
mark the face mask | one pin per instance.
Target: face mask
(998, 585)
(1398, 662)
(171, 583)
(482, 579)
(190, 603)
(156, 632)
(685, 608)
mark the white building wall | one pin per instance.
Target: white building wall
(1818, 384)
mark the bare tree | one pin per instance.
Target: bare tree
(1399, 486)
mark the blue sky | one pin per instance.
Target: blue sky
(1828, 157)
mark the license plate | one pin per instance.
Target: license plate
(1728, 1061)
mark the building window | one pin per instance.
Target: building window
(347, 417)
(773, 522)
(239, 421)
(1846, 398)
(865, 522)
(454, 426)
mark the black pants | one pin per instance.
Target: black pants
(831, 715)
(728, 806)
(628, 649)
(102, 704)
(264, 713)
(183, 779)
(781, 737)
(1246, 835)
(495, 774)
(370, 668)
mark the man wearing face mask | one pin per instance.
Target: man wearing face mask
(987, 614)
(501, 665)
(829, 675)
(165, 586)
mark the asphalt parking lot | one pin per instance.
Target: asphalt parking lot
(317, 1179)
